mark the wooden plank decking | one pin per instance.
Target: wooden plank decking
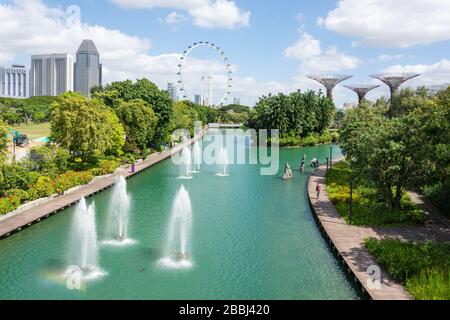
(348, 241)
(25, 218)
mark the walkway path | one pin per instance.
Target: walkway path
(348, 240)
(59, 203)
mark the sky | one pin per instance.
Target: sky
(271, 45)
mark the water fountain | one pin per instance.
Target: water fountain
(118, 218)
(197, 156)
(176, 252)
(83, 243)
(186, 162)
(223, 162)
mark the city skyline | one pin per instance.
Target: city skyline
(307, 40)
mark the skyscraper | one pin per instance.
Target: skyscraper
(237, 101)
(172, 91)
(88, 69)
(13, 82)
(198, 99)
(51, 74)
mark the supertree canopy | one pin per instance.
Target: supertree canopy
(361, 90)
(329, 81)
(394, 80)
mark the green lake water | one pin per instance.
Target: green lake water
(253, 237)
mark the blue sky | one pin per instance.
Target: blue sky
(271, 44)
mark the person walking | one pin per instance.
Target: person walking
(318, 188)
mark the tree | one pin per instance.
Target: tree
(87, 128)
(3, 141)
(296, 115)
(139, 122)
(143, 89)
(183, 117)
(399, 147)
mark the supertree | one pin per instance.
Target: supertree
(329, 81)
(394, 80)
(361, 90)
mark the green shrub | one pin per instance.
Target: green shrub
(423, 268)
(310, 140)
(369, 209)
(15, 177)
(8, 204)
(71, 179)
(21, 194)
(108, 166)
(438, 194)
(334, 137)
(42, 188)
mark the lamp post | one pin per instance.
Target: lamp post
(351, 200)
(331, 157)
(328, 159)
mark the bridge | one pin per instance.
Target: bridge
(225, 125)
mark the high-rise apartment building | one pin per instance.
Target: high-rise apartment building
(172, 91)
(51, 74)
(198, 99)
(88, 69)
(13, 82)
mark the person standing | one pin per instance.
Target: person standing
(318, 189)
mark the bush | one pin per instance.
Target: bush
(422, 268)
(369, 209)
(42, 188)
(108, 166)
(21, 194)
(71, 179)
(16, 177)
(438, 194)
(311, 140)
(8, 204)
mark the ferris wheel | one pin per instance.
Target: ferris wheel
(208, 77)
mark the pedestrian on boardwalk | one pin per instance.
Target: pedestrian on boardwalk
(318, 188)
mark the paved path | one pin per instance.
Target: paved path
(348, 240)
(35, 214)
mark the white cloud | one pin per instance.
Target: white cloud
(175, 18)
(304, 48)
(204, 13)
(308, 50)
(431, 74)
(391, 23)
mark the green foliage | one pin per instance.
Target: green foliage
(21, 194)
(105, 167)
(22, 111)
(139, 122)
(71, 179)
(3, 141)
(183, 117)
(423, 268)
(48, 160)
(142, 89)
(402, 145)
(15, 177)
(9, 204)
(87, 128)
(369, 209)
(297, 116)
(42, 188)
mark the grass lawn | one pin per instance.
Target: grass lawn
(369, 209)
(424, 269)
(34, 131)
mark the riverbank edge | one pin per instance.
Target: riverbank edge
(339, 236)
(52, 205)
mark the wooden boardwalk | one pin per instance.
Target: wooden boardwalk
(348, 241)
(28, 217)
